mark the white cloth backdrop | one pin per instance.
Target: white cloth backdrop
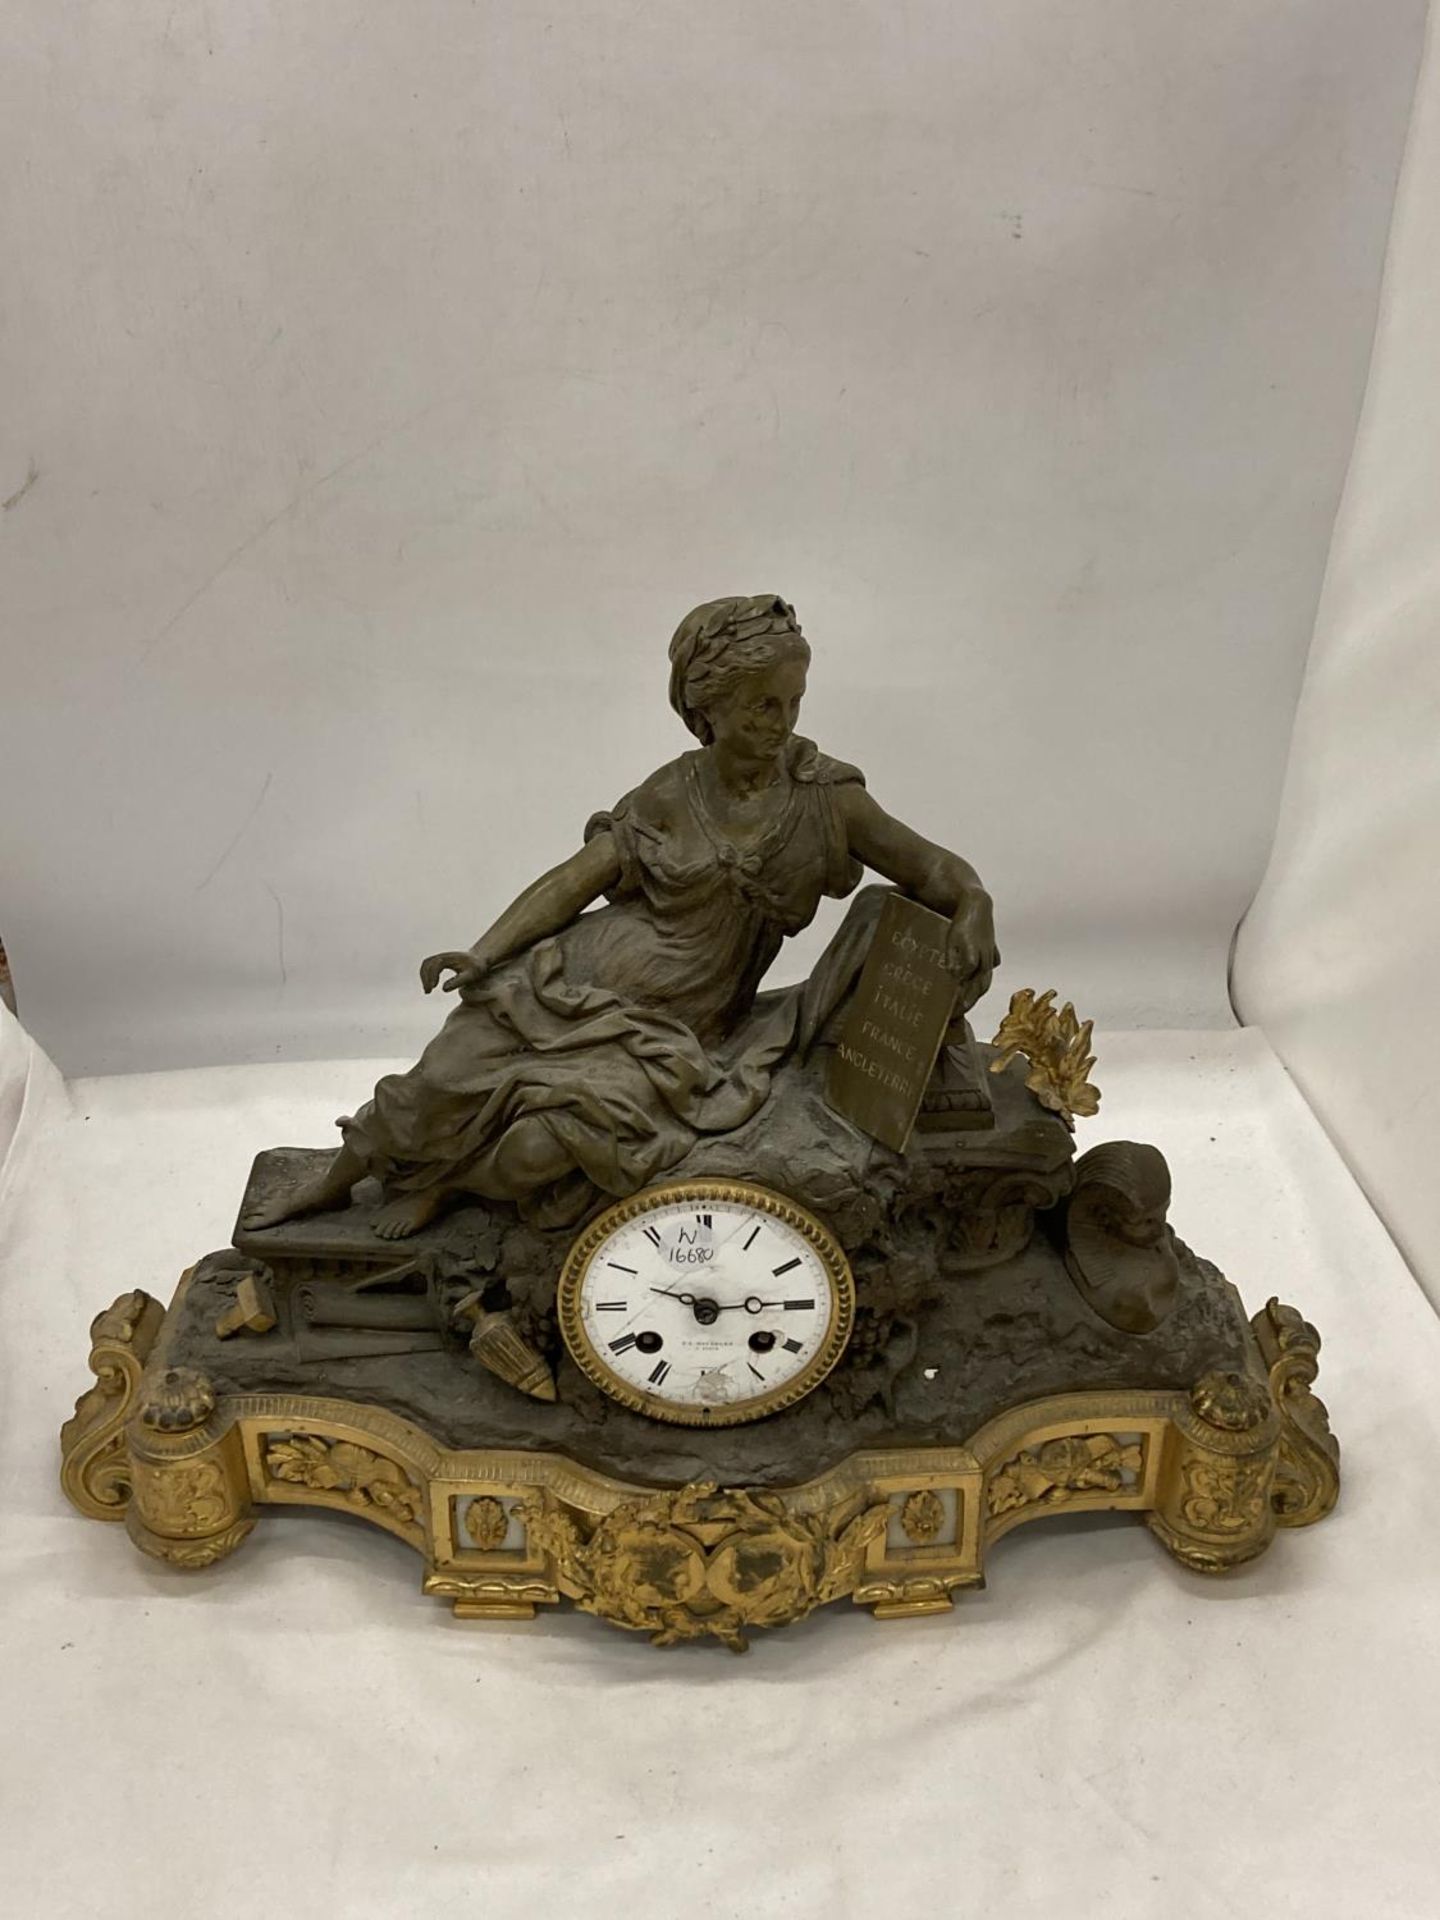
(31, 1095)
(1338, 959)
(383, 382)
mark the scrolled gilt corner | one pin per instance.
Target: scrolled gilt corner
(95, 1465)
(1307, 1475)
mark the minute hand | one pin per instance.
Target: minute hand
(754, 1304)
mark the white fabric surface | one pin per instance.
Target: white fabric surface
(384, 382)
(31, 1093)
(1337, 959)
(1098, 1734)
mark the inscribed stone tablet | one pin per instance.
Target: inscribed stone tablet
(896, 1022)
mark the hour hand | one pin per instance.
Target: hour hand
(685, 1299)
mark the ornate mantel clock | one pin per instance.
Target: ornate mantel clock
(698, 1305)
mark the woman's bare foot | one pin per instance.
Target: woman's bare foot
(397, 1219)
(323, 1194)
(326, 1192)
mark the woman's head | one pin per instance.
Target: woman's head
(738, 665)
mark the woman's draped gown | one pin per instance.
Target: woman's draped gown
(637, 1028)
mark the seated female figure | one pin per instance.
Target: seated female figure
(590, 1050)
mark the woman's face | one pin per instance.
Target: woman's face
(756, 715)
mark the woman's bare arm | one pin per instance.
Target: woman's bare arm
(552, 901)
(934, 876)
(547, 905)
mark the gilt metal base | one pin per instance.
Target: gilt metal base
(1214, 1471)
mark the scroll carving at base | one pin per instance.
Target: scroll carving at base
(1307, 1476)
(95, 1468)
(704, 1562)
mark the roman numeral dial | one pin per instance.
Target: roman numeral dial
(706, 1303)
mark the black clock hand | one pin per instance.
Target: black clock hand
(685, 1299)
(703, 1309)
(752, 1303)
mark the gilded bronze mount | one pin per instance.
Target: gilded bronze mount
(1214, 1472)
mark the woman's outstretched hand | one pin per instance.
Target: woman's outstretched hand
(465, 969)
(970, 951)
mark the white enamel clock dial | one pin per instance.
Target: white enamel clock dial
(706, 1302)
